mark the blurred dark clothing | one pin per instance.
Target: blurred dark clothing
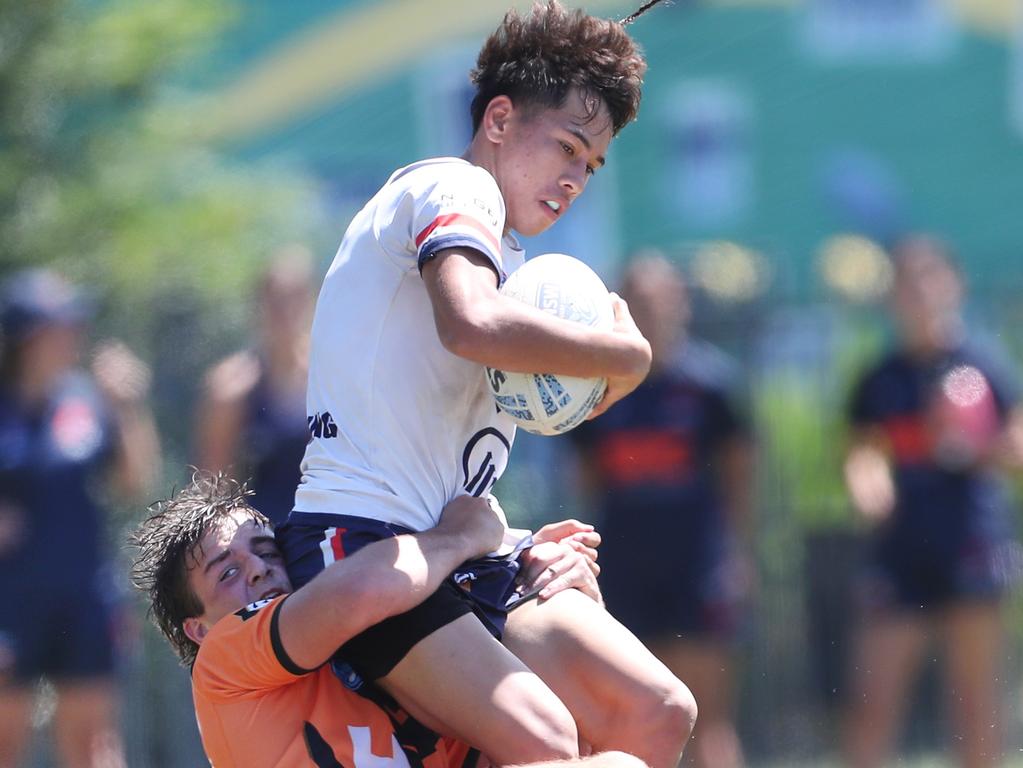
(50, 462)
(273, 444)
(58, 618)
(667, 543)
(950, 534)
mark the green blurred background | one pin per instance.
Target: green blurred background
(159, 153)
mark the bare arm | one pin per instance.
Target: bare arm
(383, 579)
(476, 322)
(868, 475)
(221, 413)
(1008, 449)
(737, 479)
(124, 380)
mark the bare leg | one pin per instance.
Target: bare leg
(461, 681)
(972, 634)
(885, 661)
(88, 734)
(708, 671)
(621, 696)
(15, 724)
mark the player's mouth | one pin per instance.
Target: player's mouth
(554, 208)
(271, 594)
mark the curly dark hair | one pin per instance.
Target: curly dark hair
(168, 542)
(537, 59)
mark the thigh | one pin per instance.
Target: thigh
(594, 664)
(87, 727)
(886, 655)
(462, 682)
(15, 726)
(972, 636)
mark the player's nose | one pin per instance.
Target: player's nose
(573, 180)
(256, 568)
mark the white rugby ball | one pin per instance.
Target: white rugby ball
(565, 287)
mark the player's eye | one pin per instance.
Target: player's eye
(270, 554)
(228, 573)
(567, 148)
(590, 170)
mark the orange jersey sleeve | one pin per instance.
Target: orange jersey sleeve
(256, 708)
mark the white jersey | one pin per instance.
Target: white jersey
(400, 426)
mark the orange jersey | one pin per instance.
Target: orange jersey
(255, 707)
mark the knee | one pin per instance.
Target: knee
(679, 710)
(561, 736)
(668, 714)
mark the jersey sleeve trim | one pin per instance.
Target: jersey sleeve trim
(278, 647)
(455, 240)
(461, 220)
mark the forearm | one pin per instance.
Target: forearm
(475, 321)
(513, 336)
(737, 482)
(138, 451)
(419, 566)
(383, 579)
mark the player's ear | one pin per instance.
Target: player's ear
(496, 118)
(195, 629)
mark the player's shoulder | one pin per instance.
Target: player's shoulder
(991, 358)
(77, 393)
(707, 366)
(426, 175)
(238, 638)
(250, 619)
(985, 352)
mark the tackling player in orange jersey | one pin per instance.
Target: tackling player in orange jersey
(263, 694)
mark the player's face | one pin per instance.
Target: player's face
(926, 298)
(237, 563)
(659, 303)
(546, 158)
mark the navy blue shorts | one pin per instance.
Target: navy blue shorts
(64, 634)
(919, 571)
(484, 587)
(672, 585)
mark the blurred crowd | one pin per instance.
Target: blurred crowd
(932, 437)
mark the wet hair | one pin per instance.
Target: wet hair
(168, 543)
(535, 60)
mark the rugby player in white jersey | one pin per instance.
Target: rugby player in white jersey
(402, 419)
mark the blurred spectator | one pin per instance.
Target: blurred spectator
(670, 468)
(60, 428)
(932, 421)
(252, 419)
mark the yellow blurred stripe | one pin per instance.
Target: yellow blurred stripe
(352, 49)
(346, 51)
(995, 17)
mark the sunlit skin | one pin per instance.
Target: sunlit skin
(47, 353)
(541, 156)
(235, 564)
(926, 299)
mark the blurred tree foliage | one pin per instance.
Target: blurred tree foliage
(102, 173)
